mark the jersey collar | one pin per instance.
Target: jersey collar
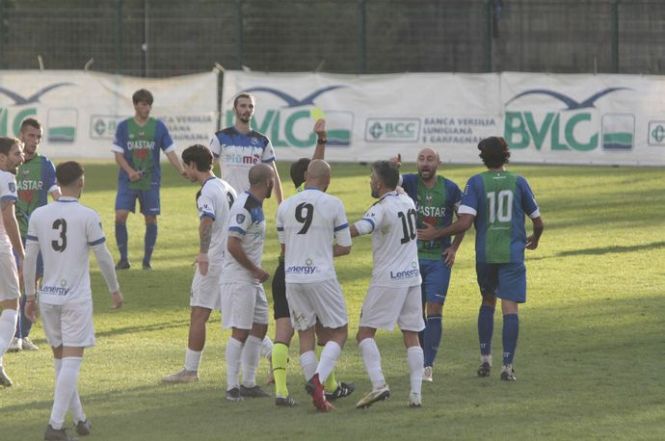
(67, 199)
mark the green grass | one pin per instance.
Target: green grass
(589, 359)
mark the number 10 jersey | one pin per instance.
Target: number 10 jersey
(65, 230)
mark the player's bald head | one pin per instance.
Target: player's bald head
(260, 173)
(318, 169)
(429, 152)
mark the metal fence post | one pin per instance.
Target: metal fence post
(118, 36)
(241, 31)
(2, 33)
(362, 36)
(615, 35)
(489, 9)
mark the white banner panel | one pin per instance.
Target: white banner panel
(371, 116)
(79, 110)
(566, 119)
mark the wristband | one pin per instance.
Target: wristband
(322, 140)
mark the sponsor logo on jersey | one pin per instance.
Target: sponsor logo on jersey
(302, 269)
(406, 274)
(431, 211)
(54, 290)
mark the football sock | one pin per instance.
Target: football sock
(149, 241)
(8, 320)
(485, 329)
(250, 360)
(372, 358)
(24, 324)
(329, 355)
(331, 382)
(192, 360)
(510, 333)
(432, 340)
(414, 358)
(121, 239)
(280, 357)
(308, 362)
(266, 347)
(65, 388)
(75, 405)
(233, 351)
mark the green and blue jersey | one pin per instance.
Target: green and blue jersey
(35, 179)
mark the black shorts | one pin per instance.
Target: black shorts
(279, 303)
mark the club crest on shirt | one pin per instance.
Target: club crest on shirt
(240, 218)
(12, 187)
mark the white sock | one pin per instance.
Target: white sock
(233, 351)
(192, 360)
(329, 355)
(75, 405)
(415, 360)
(8, 320)
(308, 363)
(266, 347)
(250, 360)
(65, 388)
(372, 358)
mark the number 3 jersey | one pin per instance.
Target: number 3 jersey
(499, 200)
(392, 222)
(65, 230)
(308, 224)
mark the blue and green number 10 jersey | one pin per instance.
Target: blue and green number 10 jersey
(499, 201)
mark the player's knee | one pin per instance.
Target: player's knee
(434, 308)
(150, 219)
(489, 300)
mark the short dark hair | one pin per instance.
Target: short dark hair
(142, 96)
(298, 170)
(242, 95)
(387, 172)
(68, 172)
(199, 155)
(32, 122)
(494, 151)
(6, 144)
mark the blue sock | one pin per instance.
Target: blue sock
(510, 331)
(433, 331)
(485, 329)
(121, 239)
(23, 324)
(149, 242)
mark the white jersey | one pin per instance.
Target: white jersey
(308, 224)
(214, 201)
(238, 152)
(65, 230)
(7, 193)
(392, 222)
(246, 222)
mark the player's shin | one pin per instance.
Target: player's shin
(414, 357)
(510, 333)
(65, 388)
(485, 329)
(280, 356)
(372, 359)
(329, 355)
(250, 360)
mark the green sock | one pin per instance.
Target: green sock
(280, 356)
(331, 383)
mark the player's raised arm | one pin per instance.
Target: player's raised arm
(321, 139)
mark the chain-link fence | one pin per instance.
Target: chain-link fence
(172, 37)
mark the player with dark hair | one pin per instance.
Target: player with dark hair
(136, 146)
(496, 202)
(35, 181)
(213, 201)
(64, 232)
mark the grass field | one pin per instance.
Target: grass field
(589, 360)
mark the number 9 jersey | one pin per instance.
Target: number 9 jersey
(307, 224)
(65, 230)
(499, 200)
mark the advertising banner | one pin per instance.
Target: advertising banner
(79, 110)
(563, 119)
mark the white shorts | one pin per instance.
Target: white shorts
(9, 287)
(243, 304)
(386, 305)
(69, 324)
(320, 300)
(206, 292)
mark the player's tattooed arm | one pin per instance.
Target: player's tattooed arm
(11, 228)
(205, 236)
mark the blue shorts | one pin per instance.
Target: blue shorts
(126, 198)
(503, 280)
(436, 278)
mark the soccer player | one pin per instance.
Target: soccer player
(436, 199)
(136, 146)
(213, 201)
(238, 149)
(308, 223)
(64, 232)
(394, 293)
(283, 328)
(496, 202)
(244, 303)
(35, 181)
(11, 156)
